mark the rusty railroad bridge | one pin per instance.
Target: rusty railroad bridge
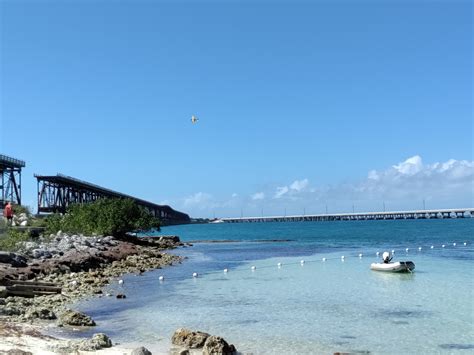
(56, 192)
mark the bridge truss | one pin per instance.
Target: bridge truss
(57, 192)
(10, 184)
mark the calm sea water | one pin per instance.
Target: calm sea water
(317, 307)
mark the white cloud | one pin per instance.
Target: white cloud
(281, 191)
(258, 196)
(412, 178)
(294, 189)
(411, 166)
(299, 185)
(403, 185)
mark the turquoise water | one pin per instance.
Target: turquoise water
(317, 307)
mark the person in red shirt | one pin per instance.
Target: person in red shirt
(8, 213)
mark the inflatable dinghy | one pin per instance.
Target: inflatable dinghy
(399, 266)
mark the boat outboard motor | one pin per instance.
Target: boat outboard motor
(386, 257)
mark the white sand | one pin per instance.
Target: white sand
(28, 337)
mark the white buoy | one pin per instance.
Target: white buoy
(465, 243)
(342, 258)
(195, 274)
(161, 278)
(419, 248)
(279, 265)
(432, 247)
(443, 245)
(377, 253)
(454, 244)
(324, 259)
(120, 282)
(254, 268)
(393, 251)
(302, 262)
(225, 271)
(407, 250)
(360, 255)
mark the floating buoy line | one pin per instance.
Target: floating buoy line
(279, 265)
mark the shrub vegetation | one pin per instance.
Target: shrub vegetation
(104, 217)
(9, 240)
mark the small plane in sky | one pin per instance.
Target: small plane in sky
(194, 119)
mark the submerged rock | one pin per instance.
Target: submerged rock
(71, 317)
(188, 338)
(216, 345)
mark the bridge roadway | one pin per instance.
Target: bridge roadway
(420, 214)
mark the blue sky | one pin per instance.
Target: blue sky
(323, 96)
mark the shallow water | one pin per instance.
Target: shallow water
(318, 307)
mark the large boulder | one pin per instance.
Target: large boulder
(70, 317)
(98, 341)
(216, 345)
(188, 338)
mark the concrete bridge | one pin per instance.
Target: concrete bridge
(365, 216)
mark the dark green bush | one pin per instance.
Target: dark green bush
(105, 217)
(19, 209)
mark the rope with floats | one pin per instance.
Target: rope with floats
(279, 265)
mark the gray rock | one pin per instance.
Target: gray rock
(41, 313)
(141, 351)
(71, 317)
(216, 345)
(11, 310)
(13, 259)
(188, 338)
(29, 245)
(98, 341)
(41, 254)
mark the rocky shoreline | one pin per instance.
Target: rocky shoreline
(82, 266)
